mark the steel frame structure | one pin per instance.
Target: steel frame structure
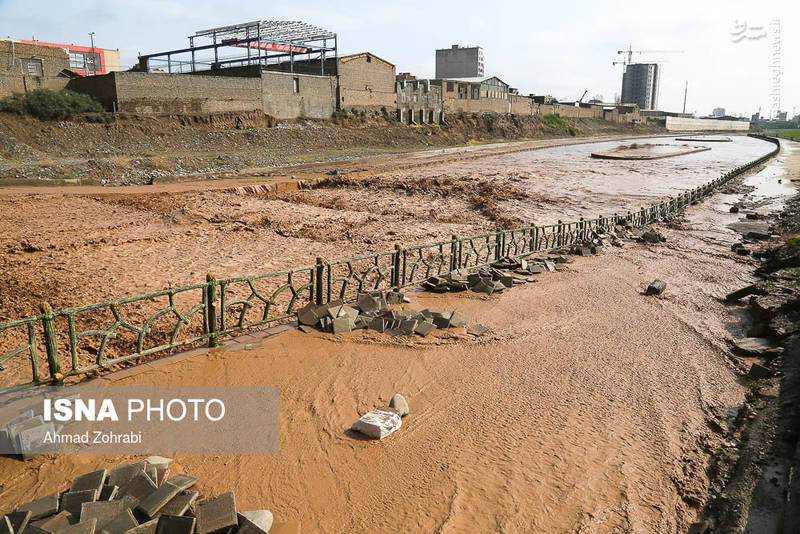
(265, 41)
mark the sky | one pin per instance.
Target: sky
(732, 56)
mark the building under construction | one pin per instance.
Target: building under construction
(640, 83)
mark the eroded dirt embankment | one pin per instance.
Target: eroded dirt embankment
(129, 149)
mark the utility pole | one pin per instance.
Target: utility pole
(685, 90)
(94, 68)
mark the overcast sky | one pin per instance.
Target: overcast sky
(559, 48)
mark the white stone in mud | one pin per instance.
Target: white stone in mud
(377, 424)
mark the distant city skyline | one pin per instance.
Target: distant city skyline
(560, 50)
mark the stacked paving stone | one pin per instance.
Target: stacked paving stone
(138, 498)
(371, 311)
(24, 435)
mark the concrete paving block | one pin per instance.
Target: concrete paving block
(163, 472)
(307, 315)
(24, 416)
(139, 487)
(394, 332)
(343, 324)
(377, 424)
(17, 521)
(151, 504)
(31, 441)
(216, 513)
(84, 527)
(41, 507)
(183, 482)
(145, 528)
(549, 266)
(108, 493)
(424, 328)
(378, 324)
(152, 472)
(759, 372)
(159, 462)
(52, 524)
(172, 524)
(656, 287)
(368, 303)
(5, 525)
(441, 320)
(121, 475)
(71, 501)
(180, 503)
(458, 319)
(362, 321)
(325, 323)
(103, 511)
(477, 330)
(121, 524)
(255, 522)
(6, 445)
(408, 326)
(394, 297)
(89, 481)
(507, 280)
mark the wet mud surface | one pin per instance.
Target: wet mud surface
(587, 408)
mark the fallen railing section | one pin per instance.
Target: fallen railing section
(69, 342)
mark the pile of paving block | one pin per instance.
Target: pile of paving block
(138, 498)
(371, 311)
(23, 435)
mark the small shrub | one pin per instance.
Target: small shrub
(340, 114)
(793, 242)
(50, 105)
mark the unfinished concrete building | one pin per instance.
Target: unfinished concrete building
(419, 102)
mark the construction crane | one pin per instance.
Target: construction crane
(630, 51)
(583, 95)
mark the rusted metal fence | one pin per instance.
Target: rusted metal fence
(70, 342)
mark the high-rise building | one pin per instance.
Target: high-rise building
(718, 112)
(459, 62)
(640, 85)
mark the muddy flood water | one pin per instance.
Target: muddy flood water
(588, 408)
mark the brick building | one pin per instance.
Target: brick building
(419, 102)
(24, 67)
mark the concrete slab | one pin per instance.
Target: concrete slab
(145, 528)
(159, 462)
(378, 324)
(424, 328)
(31, 441)
(71, 501)
(343, 324)
(179, 504)
(477, 330)
(172, 524)
(108, 493)
(408, 326)
(458, 319)
(121, 475)
(151, 504)
(90, 481)
(307, 315)
(84, 527)
(52, 524)
(216, 513)
(17, 521)
(368, 303)
(378, 424)
(103, 511)
(255, 522)
(41, 507)
(183, 482)
(121, 523)
(139, 487)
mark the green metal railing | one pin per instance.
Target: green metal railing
(69, 342)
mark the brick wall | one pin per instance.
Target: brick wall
(366, 82)
(316, 96)
(13, 79)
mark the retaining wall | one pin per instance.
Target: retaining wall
(687, 124)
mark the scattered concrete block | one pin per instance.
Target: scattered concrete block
(90, 481)
(477, 330)
(255, 522)
(424, 328)
(394, 297)
(408, 326)
(399, 403)
(42, 507)
(172, 524)
(159, 462)
(305, 328)
(179, 504)
(549, 266)
(457, 320)
(652, 236)
(151, 504)
(84, 527)
(121, 475)
(31, 441)
(71, 501)
(103, 511)
(656, 287)
(183, 482)
(145, 528)
(378, 324)
(17, 521)
(368, 303)
(108, 493)
(120, 524)
(139, 487)
(343, 324)
(52, 524)
(307, 315)
(759, 372)
(378, 424)
(216, 513)
(753, 289)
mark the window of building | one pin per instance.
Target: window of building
(463, 91)
(369, 59)
(84, 61)
(476, 92)
(450, 87)
(296, 84)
